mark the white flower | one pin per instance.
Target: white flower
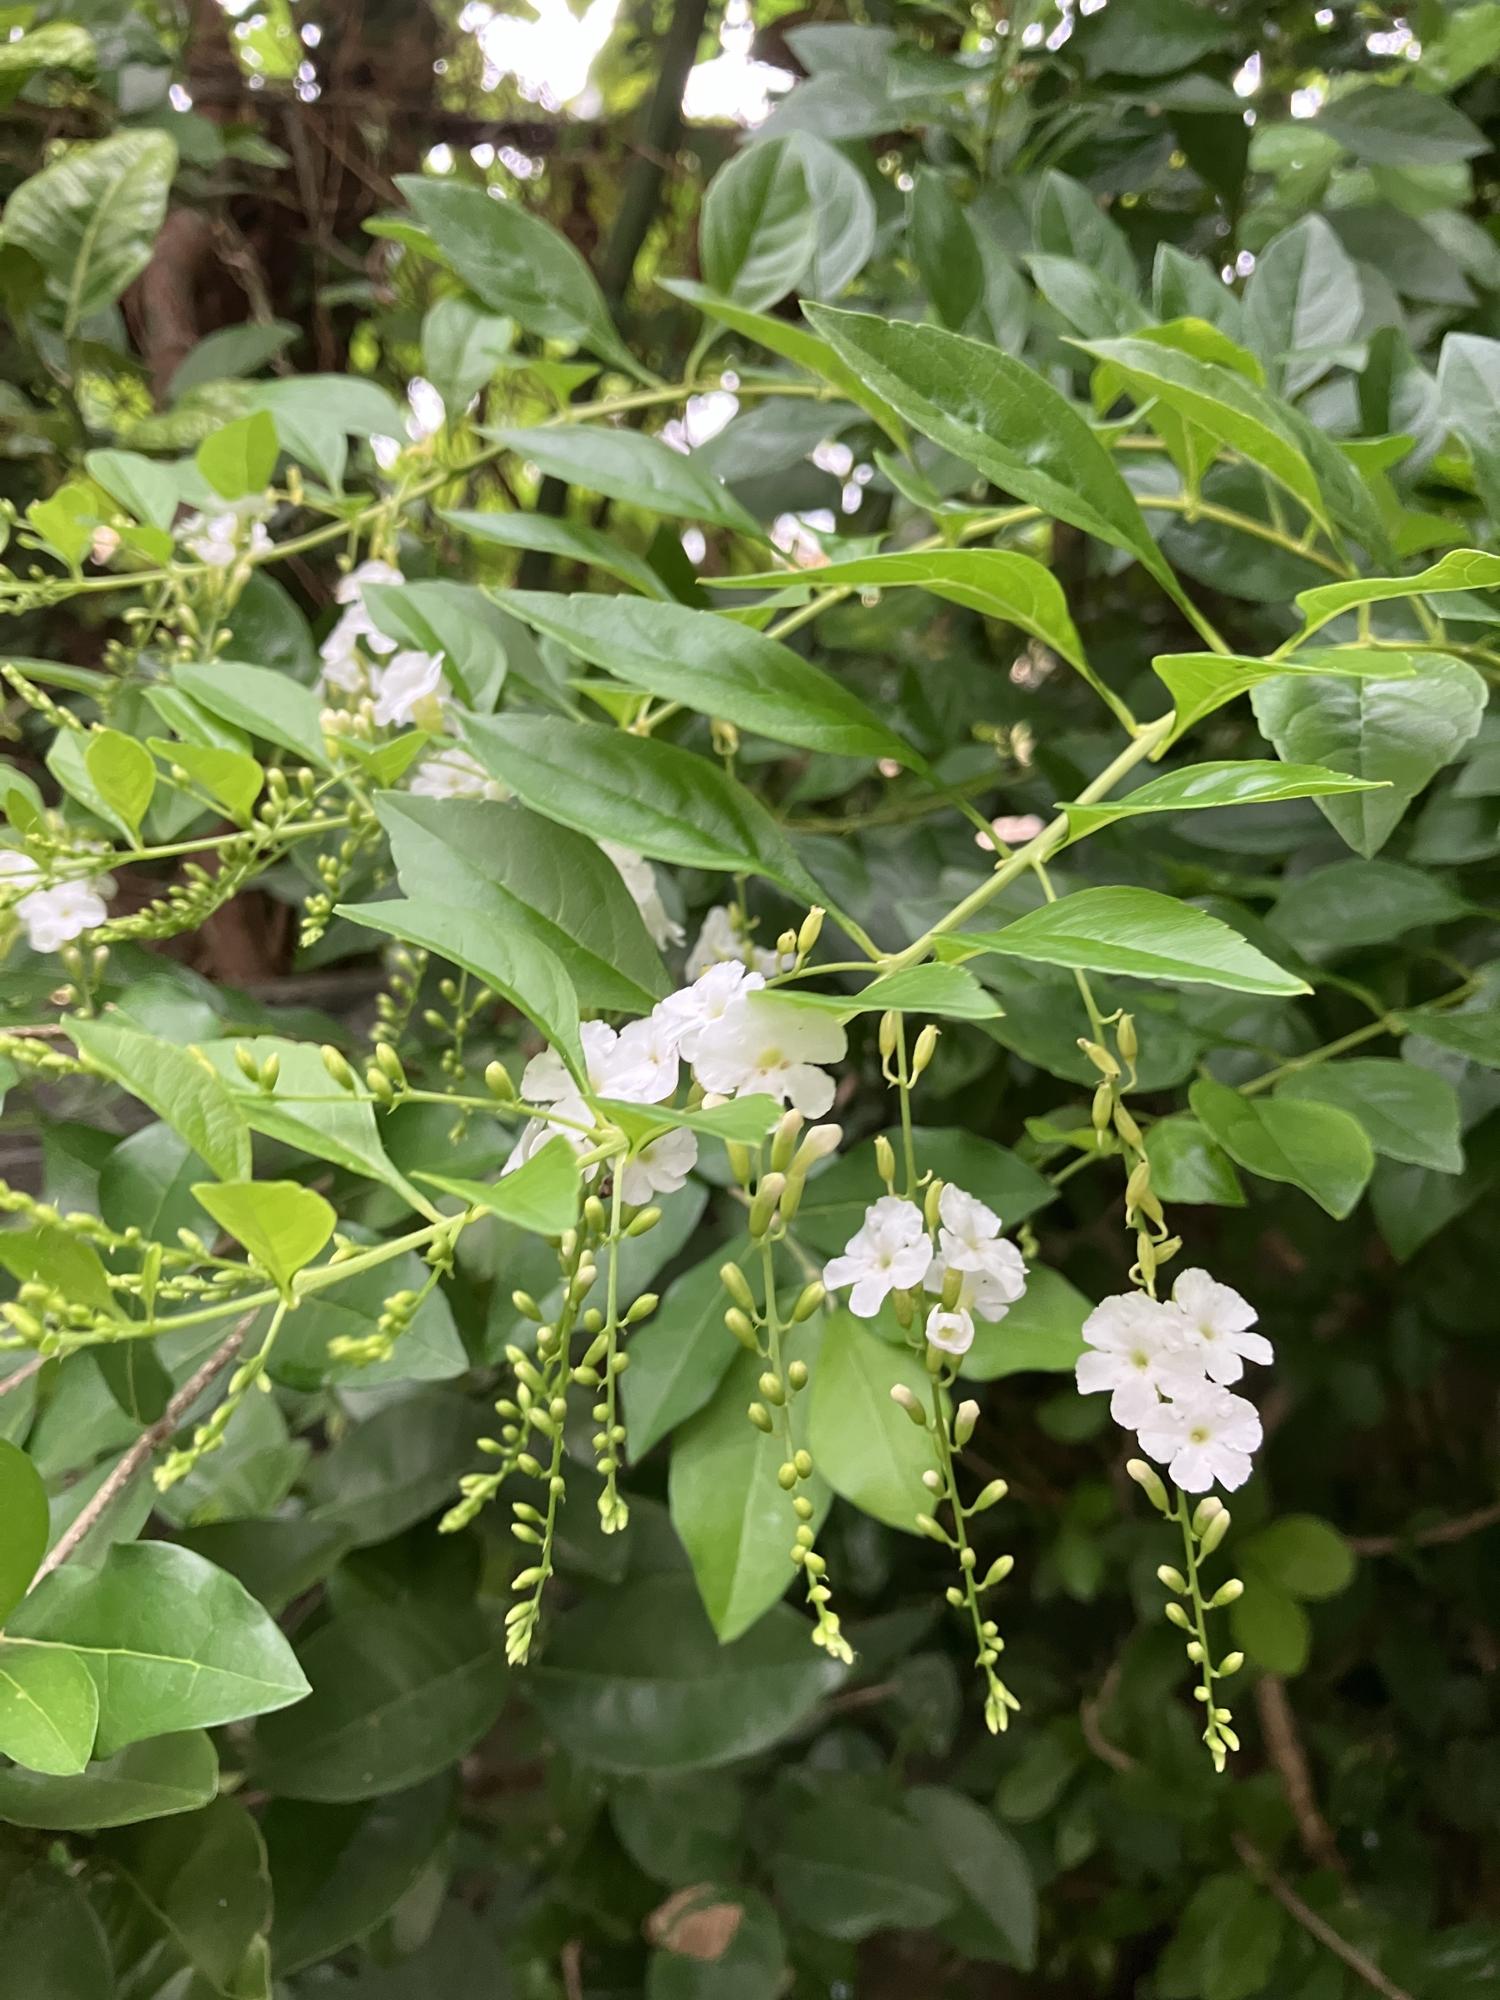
(1218, 1324)
(695, 1008)
(1206, 1435)
(56, 916)
(661, 1167)
(720, 939)
(639, 1065)
(639, 878)
(350, 588)
(889, 1252)
(1139, 1353)
(990, 1292)
(761, 1044)
(105, 546)
(453, 774)
(966, 1239)
(953, 1332)
(18, 869)
(213, 538)
(409, 680)
(992, 1271)
(537, 1132)
(644, 1065)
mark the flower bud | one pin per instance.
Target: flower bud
(246, 1064)
(1103, 1108)
(885, 1158)
(389, 1064)
(811, 929)
(1101, 1058)
(772, 1388)
(1126, 1126)
(739, 1161)
(997, 1572)
(1126, 1040)
(809, 1300)
(527, 1306)
(1205, 1511)
(1215, 1532)
(995, 1491)
(964, 1421)
(889, 1027)
(1227, 1593)
(934, 1529)
(742, 1327)
(1176, 1615)
(1172, 1578)
(796, 1375)
(645, 1220)
(786, 1476)
(908, 1402)
(338, 1068)
(763, 1208)
(791, 1200)
(270, 1071)
(817, 1145)
(761, 1417)
(924, 1051)
(784, 1139)
(1149, 1481)
(803, 1462)
(643, 1308)
(497, 1082)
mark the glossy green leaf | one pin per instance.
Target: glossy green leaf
(998, 1915)
(757, 231)
(283, 1226)
(1401, 127)
(196, 1885)
(637, 1681)
(711, 664)
(571, 541)
(463, 349)
(168, 1774)
(1401, 732)
(149, 490)
(1470, 1032)
(1303, 303)
(1350, 904)
(123, 772)
(630, 466)
(1200, 683)
(262, 702)
(664, 802)
(230, 777)
(316, 415)
(1188, 1166)
(847, 1866)
(946, 992)
(1315, 1147)
(542, 1195)
(396, 1697)
(1460, 569)
(90, 220)
(680, 1355)
(171, 1642)
(456, 620)
(49, 1708)
(178, 1087)
(240, 458)
(48, 1925)
(865, 1445)
(748, 1119)
(397, 1467)
(1410, 1113)
(1141, 933)
(23, 1511)
(1205, 787)
(517, 264)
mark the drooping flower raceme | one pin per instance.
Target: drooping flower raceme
(354, 647)
(219, 540)
(889, 1252)
(55, 916)
(1165, 1365)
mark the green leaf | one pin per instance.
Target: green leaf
(49, 1708)
(1460, 569)
(1271, 1626)
(757, 232)
(747, 1119)
(1041, 1333)
(463, 349)
(1315, 1147)
(630, 466)
(716, 666)
(123, 773)
(1188, 1166)
(1473, 1033)
(200, 1888)
(1410, 1113)
(1401, 732)
(396, 1698)
(230, 352)
(1140, 933)
(171, 1642)
(572, 541)
(836, 1199)
(90, 220)
(240, 458)
(846, 1866)
(1220, 402)
(168, 1774)
(998, 1916)
(532, 879)
(429, 1350)
(179, 1087)
(281, 1225)
(261, 701)
(1068, 222)
(454, 619)
(231, 777)
(48, 1925)
(680, 1355)
(1002, 418)
(664, 802)
(648, 1651)
(1205, 787)
(519, 969)
(397, 1467)
(1307, 1557)
(517, 264)
(23, 1510)
(866, 1446)
(1303, 303)
(542, 1195)
(149, 490)
(1349, 904)
(1400, 127)
(315, 416)
(944, 991)
(1199, 683)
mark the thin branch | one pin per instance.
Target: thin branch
(23, 1374)
(147, 1443)
(1440, 1535)
(1284, 1748)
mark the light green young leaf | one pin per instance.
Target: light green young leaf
(730, 1513)
(1315, 1147)
(1401, 732)
(149, 490)
(865, 1445)
(1140, 933)
(670, 804)
(261, 701)
(630, 466)
(232, 777)
(946, 992)
(1411, 1113)
(282, 1225)
(1460, 569)
(747, 1119)
(715, 666)
(517, 264)
(463, 349)
(177, 1085)
(239, 458)
(171, 1642)
(542, 1195)
(123, 774)
(316, 415)
(169, 1774)
(91, 218)
(49, 1709)
(24, 1512)
(1205, 787)
(1200, 683)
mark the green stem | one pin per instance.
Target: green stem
(1207, 1673)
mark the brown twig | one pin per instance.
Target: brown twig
(1438, 1536)
(148, 1442)
(23, 1374)
(1278, 1727)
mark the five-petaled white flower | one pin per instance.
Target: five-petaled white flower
(889, 1252)
(762, 1044)
(639, 878)
(55, 916)
(1217, 1323)
(660, 1167)
(992, 1271)
(695, 1008)
(453, 774)
(953, 1331)
(411, 679)
(1206, 1435)
(1138, 1352)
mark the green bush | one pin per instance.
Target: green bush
(708, 982)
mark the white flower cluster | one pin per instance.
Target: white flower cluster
(1166, 1366)
(721, 938)
(221, 539)
(359, 659)
(54, 916)
(737, 1040)
(972, 1268)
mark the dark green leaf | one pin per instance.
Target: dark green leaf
(168, 1774)
(1316, 1147)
